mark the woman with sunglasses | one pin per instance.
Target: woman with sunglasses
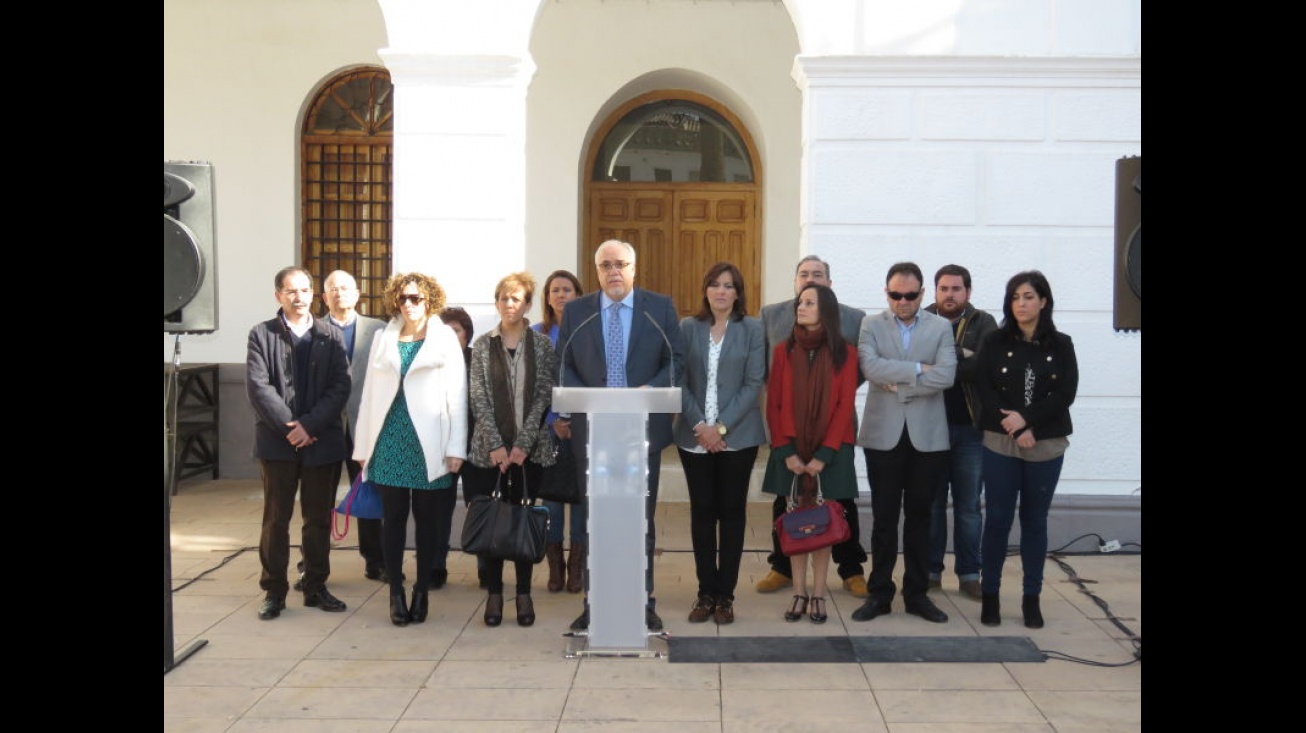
(412, 431)
(1027, 376)
(512, 376)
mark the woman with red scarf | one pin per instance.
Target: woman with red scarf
(809, 409)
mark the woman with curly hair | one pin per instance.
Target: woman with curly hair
(412, 430)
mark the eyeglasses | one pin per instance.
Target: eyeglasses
(412, 299)
(894, 294)
(290, 293)
(610, 266)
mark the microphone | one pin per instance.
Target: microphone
(562, 354)
(671, 353)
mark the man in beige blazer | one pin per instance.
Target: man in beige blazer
(908, 357)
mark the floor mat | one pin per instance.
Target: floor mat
(860, 649)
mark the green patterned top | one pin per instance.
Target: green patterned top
(397, 459)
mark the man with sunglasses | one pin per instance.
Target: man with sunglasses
(909, 359)
(778, 323)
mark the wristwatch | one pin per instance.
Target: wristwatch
(721, 429)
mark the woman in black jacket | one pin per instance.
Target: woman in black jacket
(1027, 376)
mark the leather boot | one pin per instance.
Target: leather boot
(557, 566)
(417, 610)
(399, 615)
(989, 614)
(494, 609)
(1033, 614)
(576, 567)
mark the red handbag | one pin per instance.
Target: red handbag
(804, 530)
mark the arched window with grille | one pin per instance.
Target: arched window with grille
(347, 148)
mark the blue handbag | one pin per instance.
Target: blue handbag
(362, 501)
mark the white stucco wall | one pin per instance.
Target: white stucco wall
(236, 75)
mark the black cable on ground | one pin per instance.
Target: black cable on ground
(1134, 639)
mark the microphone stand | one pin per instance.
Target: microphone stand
(170, 661)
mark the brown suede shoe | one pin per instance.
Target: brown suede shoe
(702, 610)
(725, 611)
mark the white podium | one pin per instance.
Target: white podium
(617, 490)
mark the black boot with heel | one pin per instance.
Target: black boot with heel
(417, 610)
(989, 613)
(399, 615)
(1033, 614)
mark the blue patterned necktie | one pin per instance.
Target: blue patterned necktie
(616, 349)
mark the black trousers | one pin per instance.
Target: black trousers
(848, 555)
(905, 480)
(431, 508)
(718, 502)
(316, 486)
(479, 481)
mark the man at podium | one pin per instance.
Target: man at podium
(622, 336)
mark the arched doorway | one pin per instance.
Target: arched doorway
(676, 174)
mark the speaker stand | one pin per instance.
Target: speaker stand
(171, 659)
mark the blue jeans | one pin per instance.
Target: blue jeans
(557, 515)
(1032, 484)
(966, 482)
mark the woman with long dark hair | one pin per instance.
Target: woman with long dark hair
(560, 288)
(809, 409)
(1027, 376)
(718, 432)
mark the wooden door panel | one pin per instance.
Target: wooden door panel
(715, 226)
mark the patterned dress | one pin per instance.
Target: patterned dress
(398, 459)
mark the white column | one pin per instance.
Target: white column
(459, 169)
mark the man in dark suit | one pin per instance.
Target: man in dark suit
(778, 319)
(621, 324)
(297, 378)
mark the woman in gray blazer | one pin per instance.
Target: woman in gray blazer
(718, 433)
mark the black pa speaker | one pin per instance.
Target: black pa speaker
(190, 267)
(1128, 307)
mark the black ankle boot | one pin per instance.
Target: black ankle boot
(989, 615)
(494, 609)
(417, 610)
(525, 609)
(1033, 616)
(399, 608)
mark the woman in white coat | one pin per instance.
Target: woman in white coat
(412, 430)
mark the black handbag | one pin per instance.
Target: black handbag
(560, 481)
(509, 530)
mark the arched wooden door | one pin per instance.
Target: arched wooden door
(675, 174)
